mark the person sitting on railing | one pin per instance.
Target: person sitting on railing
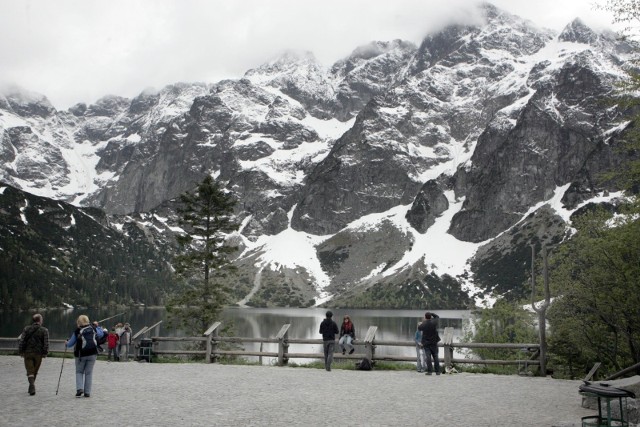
(347, 335)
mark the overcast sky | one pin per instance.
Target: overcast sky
(80, 50)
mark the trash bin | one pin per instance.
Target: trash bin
(605, 393)
(144, 351)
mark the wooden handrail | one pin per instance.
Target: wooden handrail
(367, 347)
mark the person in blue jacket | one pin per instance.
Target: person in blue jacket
(85, 349)
(420, 360)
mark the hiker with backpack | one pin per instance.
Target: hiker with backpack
(33, 347)
(84, 341)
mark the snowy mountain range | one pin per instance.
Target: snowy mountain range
(424, 170)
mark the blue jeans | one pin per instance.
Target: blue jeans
(345, 341)
(420, 362)
(84, 372)
(329, 348)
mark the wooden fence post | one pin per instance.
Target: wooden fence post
(283, 344)
(541, 311)
(369, 342)
(448, 348)
(211, 346)
(136, 341)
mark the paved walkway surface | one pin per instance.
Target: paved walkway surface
(155, 394)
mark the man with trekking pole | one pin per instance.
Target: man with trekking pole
(33, 347)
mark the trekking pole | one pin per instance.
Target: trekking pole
(109, 318)
(64, 356)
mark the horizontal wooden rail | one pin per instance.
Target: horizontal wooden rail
(496, 362)
(366, 347)
(178, 339)
(180, 351)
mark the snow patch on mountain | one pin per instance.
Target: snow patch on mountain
(291, 249)
(328, 129)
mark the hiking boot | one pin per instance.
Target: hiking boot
(79, 393)
(352, 350)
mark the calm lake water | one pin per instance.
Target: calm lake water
(396, 325)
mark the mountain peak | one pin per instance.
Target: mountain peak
(578, 32)
(288, 60)
(24, 102)
(376, 48)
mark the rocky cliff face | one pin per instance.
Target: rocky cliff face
(394, 164)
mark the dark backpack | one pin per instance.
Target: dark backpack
(87, 340)
(103, 339)
(364, 365)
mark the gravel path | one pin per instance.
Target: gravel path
(136, 393)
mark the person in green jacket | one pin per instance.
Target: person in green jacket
(33, 347)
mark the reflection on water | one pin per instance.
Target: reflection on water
(61, 323)
(393, 325)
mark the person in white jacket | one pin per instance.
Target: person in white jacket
(124, 342)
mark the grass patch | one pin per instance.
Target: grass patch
(489, 369)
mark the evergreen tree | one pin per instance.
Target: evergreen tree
(206, 217)
(595, 274)
(596, 316)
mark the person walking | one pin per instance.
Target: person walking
(420, 360)
(430, 339)
(328, 329)
(33, 347)
(347, 335)
(84, 342)
(124, 341)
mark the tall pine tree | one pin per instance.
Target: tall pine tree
(206, 218)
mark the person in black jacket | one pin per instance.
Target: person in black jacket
(328, 329)
(33, 347)
(430, 339)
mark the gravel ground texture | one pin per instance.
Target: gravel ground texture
(193, 394)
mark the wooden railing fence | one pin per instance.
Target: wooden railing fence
(213, 351)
